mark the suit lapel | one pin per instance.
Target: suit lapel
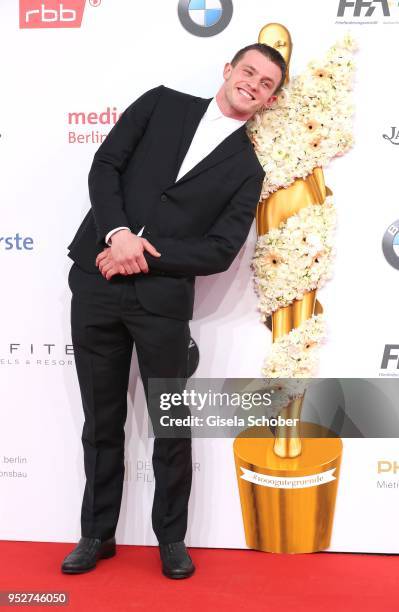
(236, 141)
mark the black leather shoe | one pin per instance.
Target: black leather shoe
(176, 562)
(85, 555)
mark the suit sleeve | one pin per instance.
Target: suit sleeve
(111, 159)
(215, 251)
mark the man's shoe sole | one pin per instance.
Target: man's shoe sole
(105, 555)
(177, 576)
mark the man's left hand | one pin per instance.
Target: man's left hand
(107, 265)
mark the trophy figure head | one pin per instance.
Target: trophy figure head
(277, 36)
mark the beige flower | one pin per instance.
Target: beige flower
(321, 73)
(272, 258)
(312, 125)
(315, 143)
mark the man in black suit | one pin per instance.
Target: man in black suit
(173, 190)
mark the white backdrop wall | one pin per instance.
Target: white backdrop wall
(122, 49)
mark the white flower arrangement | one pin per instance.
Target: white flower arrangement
(311, 121)
(295, 258)
(295, 355)
(284, 391)
(309, 124)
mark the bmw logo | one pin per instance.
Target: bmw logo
(205, 17)
(390, 245)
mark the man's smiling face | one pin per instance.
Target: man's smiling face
(250, 84)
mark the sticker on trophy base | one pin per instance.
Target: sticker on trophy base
(298, 482)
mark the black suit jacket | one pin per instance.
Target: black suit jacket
(198, 223)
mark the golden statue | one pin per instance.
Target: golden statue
(288, 482)
(270, 213)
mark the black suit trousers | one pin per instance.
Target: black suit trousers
(106, 320)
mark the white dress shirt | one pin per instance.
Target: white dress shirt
(213, 128)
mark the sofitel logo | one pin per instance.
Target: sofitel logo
(363, 8)
(29, 354)
(52, 13)
(393, 137)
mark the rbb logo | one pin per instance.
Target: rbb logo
(51, 13)
(360, 5)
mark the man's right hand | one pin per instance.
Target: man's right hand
(127, 251)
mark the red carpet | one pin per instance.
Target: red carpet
(225, 580)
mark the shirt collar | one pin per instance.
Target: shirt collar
(213, 113)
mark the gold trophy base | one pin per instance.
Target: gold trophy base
(296, 519)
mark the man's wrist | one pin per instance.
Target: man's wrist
(108, 237)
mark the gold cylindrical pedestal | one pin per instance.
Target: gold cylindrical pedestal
(288, 503)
